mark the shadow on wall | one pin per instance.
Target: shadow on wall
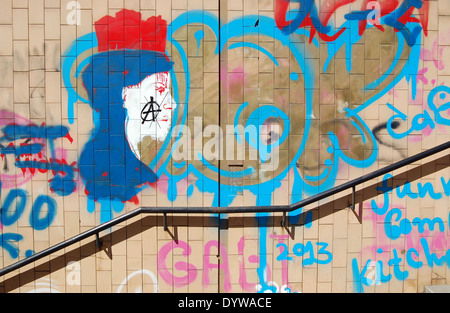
(119, 235)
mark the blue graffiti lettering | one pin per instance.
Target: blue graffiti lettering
(409, 259)
(307, 8)
(64, 181)
(446, 186)
(22, 150)
(432, 258)
(395, 262)
(419, 122)
(395, 226)
(405, 226)
(423, 190)
(393, 21)
(43, 213)
(15, 132)
(443, 91)
(361, 276)
(307, 253)
(284, 252)
(8, 216)
(8, 243)
(37, 221)
(422, 120)
(14, 206)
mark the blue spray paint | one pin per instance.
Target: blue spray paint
(22, 150)
(107, 151)
(8, 242)
(37, 221)
(8, 216)
(82, 45)
(350, 36)
(108, 167)
(307, 8)
(199, 36)
(43, 212)
(267, 27)
(62, 184)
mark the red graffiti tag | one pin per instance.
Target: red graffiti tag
(317, 18)
(388, 6)
(282, 6)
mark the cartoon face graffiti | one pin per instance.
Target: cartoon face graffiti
(128, 87)
(149, 108)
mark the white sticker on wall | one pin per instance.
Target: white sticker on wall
(149, 108)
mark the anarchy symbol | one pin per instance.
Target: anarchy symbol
(152, 109)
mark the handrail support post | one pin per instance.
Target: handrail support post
(98, 241)
(165, 222)
(353, 205)
(283, 222)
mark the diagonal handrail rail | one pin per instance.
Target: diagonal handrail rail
(225, 210)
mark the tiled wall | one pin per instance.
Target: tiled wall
(111, 105)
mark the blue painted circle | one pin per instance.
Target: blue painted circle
(257, 119)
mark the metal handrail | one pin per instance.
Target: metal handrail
(225, 210)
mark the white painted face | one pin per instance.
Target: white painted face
(149, 110)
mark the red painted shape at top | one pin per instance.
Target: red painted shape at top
(128, 31)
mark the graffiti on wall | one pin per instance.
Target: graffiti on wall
(141, 83)
(416, 242)
(142, 99)
(28, 150)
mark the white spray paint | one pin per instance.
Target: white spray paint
(149, 108)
